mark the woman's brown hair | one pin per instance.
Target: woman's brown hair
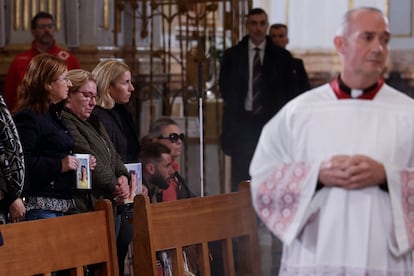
(43, 69)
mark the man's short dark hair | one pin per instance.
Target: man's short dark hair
(278, 26)
(39, 15)
(151, 152)
(256, 11)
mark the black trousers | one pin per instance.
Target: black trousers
(124, 233)
(245, 142)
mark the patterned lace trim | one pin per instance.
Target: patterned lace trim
(49, 203)
(279, 195)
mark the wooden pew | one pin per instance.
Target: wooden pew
(69, 242)
(177, 224)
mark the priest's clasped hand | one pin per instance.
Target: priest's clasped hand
(352, 172)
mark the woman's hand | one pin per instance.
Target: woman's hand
(70, 163)
(17, 210)
(92, 162)
(121, 191)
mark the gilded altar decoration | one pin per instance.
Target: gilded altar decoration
(24, 10)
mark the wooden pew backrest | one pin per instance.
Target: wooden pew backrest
(197, 221)
(69, 242)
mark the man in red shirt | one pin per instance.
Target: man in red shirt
(42, 28)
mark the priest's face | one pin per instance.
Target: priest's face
(364, 46)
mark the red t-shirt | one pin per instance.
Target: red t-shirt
(18, 68)
(170, 194)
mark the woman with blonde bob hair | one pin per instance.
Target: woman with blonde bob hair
(106, 74)
(47, 144)
(114, 83)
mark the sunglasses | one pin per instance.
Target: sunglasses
(173, 137)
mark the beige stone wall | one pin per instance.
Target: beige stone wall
(322, 66)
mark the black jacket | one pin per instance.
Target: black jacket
(119, 125)
(277, 88)
(301, 79)
(46, 141)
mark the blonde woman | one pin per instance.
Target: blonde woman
(113, 79)
(114, 83)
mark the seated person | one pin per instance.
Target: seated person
(167, 132)
(157, 175)
(156, 169)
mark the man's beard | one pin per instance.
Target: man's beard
(46, 39)
(158, 180)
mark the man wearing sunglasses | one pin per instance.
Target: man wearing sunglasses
(43, 29)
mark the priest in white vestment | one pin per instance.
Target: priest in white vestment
(333, 172)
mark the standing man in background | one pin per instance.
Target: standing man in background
(279, 35)
(255, 82)
(43, 29)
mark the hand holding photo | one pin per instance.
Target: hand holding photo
(135, 173)
(83, 173)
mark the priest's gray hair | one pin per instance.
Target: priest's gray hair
(347, 19)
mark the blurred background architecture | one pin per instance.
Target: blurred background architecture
(174, 50)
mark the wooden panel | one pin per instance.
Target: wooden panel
(172, 225)
(46, 245)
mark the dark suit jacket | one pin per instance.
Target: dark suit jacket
(301, 79)
(276, 90)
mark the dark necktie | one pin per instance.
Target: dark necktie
(257, 65)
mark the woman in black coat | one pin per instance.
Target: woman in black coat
(47, 144)
(113, 79)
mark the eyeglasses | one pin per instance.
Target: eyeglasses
(66, 79)
(44, 26)
(88, 95)
(173, 137)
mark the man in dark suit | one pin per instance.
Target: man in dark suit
(251, 98)
(279, 35)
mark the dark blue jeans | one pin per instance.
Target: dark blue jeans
(42, 214)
